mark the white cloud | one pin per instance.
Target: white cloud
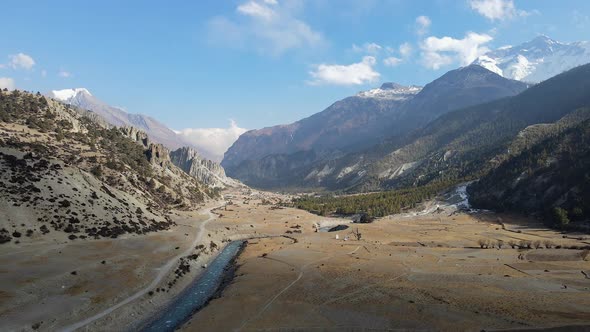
(422, 24)
(64, 74)
(6, 83)
(371, 48)
(269, 27)
(353, 74)
(439, 52)
(405, 50)
(213, 142)
(256, 9)
(392, 61)
(497, 9)
(21, 60)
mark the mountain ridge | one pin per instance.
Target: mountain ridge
(356, 123)
(158, 132)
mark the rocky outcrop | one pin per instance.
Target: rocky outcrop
(156, 154)
(204, 170)
(135, 134)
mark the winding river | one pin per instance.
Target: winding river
(196, 295)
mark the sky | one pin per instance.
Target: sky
(216, 68)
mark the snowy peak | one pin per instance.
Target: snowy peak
(68, 94)
(535, 60)
(391, 91)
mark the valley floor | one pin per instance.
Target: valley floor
(408, 272)
(424, 272)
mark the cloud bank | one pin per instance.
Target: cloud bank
(212, 142)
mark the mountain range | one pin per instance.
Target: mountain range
(290, 155)
(358, 142)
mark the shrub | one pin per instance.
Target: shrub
(525, 244)
(96, 171)
(560, 216)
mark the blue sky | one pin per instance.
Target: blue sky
(198, 64)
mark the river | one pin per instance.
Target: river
(196, 295)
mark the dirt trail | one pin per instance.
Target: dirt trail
(164, 270)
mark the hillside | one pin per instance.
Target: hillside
(550, 179)
(67, 174)
(464, 143)
(308, 153)
(468, 143)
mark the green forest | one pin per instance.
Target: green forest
(373, 205)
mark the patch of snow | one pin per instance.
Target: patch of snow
(347, 170)
(400, 93)
(67, 94)
(392, 173)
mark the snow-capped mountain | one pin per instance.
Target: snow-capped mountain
(158, 132)
(536, 60)
(392, 91)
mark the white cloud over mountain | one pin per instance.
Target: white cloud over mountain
(439, 52)
(212, 142)
(352, 74)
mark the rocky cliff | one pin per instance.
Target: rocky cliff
(204, 170)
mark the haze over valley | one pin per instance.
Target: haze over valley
(293, 165)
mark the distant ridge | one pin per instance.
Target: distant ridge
(157, 131)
